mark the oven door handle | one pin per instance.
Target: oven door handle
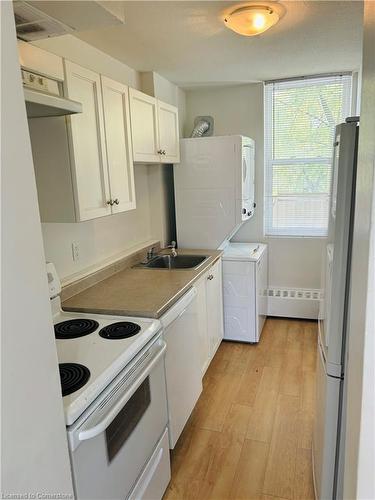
(101, 426)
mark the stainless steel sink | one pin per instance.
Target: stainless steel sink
(179, 262)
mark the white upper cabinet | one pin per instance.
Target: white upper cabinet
(215, 318)
(83, 163)
(88, 155)
(118, 145)
(155, 131)
(144, 127)
(168, 132)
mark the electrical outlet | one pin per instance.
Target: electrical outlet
(75, 251)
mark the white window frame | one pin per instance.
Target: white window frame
(292, 232)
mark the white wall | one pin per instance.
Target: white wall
(108, 238)
(359, 479)
(293, 262)
(156, 85)
(34, 454)
(100, 239)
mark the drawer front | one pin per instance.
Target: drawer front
(155, 477)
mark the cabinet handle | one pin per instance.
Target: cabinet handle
(116, 201)
(210, 277)
(163, 152)
(110, 202)
(160, 151)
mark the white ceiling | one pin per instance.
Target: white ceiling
(186, 41)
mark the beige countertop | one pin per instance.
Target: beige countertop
(140, 292)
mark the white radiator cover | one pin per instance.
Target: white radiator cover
(294, 302)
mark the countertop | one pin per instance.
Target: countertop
(138, 291)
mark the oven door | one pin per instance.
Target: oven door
(110, 446)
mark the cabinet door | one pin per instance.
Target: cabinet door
(144, 127)
(204, 340)
(88, 157)
(214, 291)
(118, 145)
(168, 133)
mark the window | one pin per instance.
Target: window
(300, 119)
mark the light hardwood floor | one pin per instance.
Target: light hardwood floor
(249, 436)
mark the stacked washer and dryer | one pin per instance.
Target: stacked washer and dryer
(214, 196)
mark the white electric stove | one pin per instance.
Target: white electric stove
(103, 357)
(114, 396)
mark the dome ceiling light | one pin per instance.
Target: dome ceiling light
(253, 19)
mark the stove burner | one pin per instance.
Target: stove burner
(73, 328)
(72, 377)
(120, 330)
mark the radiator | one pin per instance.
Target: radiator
(294, 302)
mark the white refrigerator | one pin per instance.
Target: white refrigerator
(328, 443)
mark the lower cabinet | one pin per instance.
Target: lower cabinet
(204, 341)
(210, 313)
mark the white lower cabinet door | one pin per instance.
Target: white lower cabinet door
(144, 127)
(214, 290)
(168, 133)
(118, 145)
(87, 144)
(204, 340)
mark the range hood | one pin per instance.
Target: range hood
(40, 104)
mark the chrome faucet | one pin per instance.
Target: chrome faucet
(150, 253)
(173, 249)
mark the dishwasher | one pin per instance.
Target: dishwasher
(182, 362)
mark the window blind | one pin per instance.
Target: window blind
(300, 119)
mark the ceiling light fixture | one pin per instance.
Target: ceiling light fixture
(250, 20)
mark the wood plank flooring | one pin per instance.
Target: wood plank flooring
(249, 436)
